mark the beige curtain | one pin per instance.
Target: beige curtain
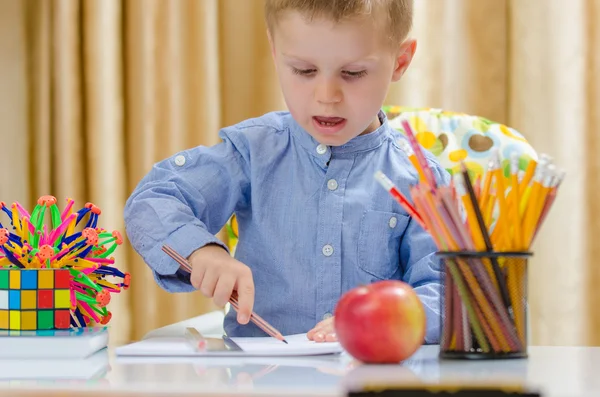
(93, 92)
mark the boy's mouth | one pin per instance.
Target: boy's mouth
(328, 121)
(328, 125)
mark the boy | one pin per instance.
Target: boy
(313, 222)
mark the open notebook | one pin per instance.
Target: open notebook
(171, 346)
(169, 341)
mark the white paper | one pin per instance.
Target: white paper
(298, 345)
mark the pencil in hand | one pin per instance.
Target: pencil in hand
(233, 300)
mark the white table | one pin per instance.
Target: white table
(555, 371)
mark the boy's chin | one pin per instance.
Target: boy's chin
(331, 140)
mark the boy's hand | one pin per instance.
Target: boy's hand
(323, 331)
(217, 274)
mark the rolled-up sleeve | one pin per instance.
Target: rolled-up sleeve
(183, 202)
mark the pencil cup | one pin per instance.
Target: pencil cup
(484, 305)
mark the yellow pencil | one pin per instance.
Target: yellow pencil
(488, 211)
(550, 197)
(525, 190)
(538, 205)
(531, 167)
(487, 184)
(515, 196)
(500, 192)
(474, 229)
(528, 222)
(499, 232)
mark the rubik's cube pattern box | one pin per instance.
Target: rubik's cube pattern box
(33, 299)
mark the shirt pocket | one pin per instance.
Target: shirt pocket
(379, 243)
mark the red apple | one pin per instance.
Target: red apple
(381, 323)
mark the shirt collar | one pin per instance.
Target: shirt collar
(322, 153)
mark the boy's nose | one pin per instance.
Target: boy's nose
(328, 92)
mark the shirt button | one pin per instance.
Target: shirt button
(327, 250)
(393, 222)
(180, 160)
(321, 149)
(326, 316)
(332, 184)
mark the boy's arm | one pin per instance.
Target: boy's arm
(183, 202)
(422, 269)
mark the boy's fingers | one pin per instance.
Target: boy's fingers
(223, 290)
(197, 276)
(318, 327)
(245, 290)
(331, 337)
(325, 323)
(320, 324)
(209, 281)
(324, 327)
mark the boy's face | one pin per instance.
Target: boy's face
(334, 77)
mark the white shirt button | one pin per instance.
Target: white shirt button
(327, 250)
(393, 222)
(180, 160)
(326, 316)
(332, 184)
(321, 149)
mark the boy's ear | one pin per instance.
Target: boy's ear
(272, 46)
(405, 57)
(271, 43)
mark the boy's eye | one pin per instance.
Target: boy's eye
(303, 72)
(355, 75)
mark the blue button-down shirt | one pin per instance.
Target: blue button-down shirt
(313, 221)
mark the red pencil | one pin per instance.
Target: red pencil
(393, 190)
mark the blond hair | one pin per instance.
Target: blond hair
(398, 13)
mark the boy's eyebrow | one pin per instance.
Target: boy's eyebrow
(369, 58)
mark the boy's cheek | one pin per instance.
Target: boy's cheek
(291, 84)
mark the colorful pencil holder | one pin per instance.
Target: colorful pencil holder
(35, 299)
(484, 305)
(57, 274)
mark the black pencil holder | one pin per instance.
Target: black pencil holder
(484, 305)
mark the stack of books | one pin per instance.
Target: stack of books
(69, 354)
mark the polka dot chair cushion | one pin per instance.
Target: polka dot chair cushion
(454, 137)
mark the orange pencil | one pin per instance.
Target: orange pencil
(405, 146)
